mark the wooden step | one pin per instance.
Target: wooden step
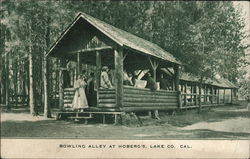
(85, 119)
(80, 117)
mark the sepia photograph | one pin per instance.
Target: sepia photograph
(124, 79)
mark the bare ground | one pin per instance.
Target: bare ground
(227, 122)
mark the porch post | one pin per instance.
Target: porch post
(118, 57)
(154, 65)
(231, 95)
(177, 81)
(79, 66)
(205, 94)
(177, 75)
(61, 89)
(212, 95)
(218, 96)
(185, 91)
(98, 75)
(224, 94)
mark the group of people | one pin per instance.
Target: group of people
(85, 94)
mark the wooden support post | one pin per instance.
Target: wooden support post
(154, 65)
(224, 94)
(98, 74)
(231, 95)
(173, 84)
(79, 66)
(103, 119)
(116, 119)
(150, 114)
(218, 96)
(185, 91)
(179, 100)
(177, 76)
(195, 96)
(118, 57)
(61, 89)
(177, 81)
(191, 91)
(205, 94)
(212, 95)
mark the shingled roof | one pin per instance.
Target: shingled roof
(123, 38)
(223, 83)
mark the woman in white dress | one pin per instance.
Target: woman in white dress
(80, 101)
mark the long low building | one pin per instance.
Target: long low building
(91, 41)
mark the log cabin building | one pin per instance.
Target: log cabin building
(90, 41)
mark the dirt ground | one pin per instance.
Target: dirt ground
(230, 122)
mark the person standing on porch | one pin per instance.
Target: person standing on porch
(91, 95)
(105, 81)
(80, 101)
(151, 84)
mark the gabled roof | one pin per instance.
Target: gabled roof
(223, 83)
(123, 39)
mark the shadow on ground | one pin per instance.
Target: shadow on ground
(183, 125)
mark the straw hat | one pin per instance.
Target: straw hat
(105, 68)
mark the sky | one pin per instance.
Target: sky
(244, 6)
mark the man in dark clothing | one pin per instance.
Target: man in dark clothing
(163, 83)
(151, 84)
(91, 93)
(66, 78)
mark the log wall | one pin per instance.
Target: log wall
(139, 99)
(134, 99)
(106, 98)
(68, 95)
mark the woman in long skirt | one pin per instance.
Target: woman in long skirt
(80, 101)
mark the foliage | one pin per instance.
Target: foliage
(206, 36)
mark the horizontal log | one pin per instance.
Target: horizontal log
(150, 100)
(104, 90)
(67, 105)
(69, 89)
(150, 96)
(106, 96)
(106, 101)
(68, 93)
(148, 92)
(146, 89)
(107, 92)
(67, 101)
(132, 104)
(106, 105)
(133, 109)
(68, 97)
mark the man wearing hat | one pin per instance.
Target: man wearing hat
(105, 81)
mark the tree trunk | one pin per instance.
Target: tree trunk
(7, 82)
(47, 112)
(31, 88)
(15, 70)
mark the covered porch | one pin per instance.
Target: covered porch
(93, 42)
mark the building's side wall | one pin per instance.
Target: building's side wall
(139, 99)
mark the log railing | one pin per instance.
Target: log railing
(190, 100)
